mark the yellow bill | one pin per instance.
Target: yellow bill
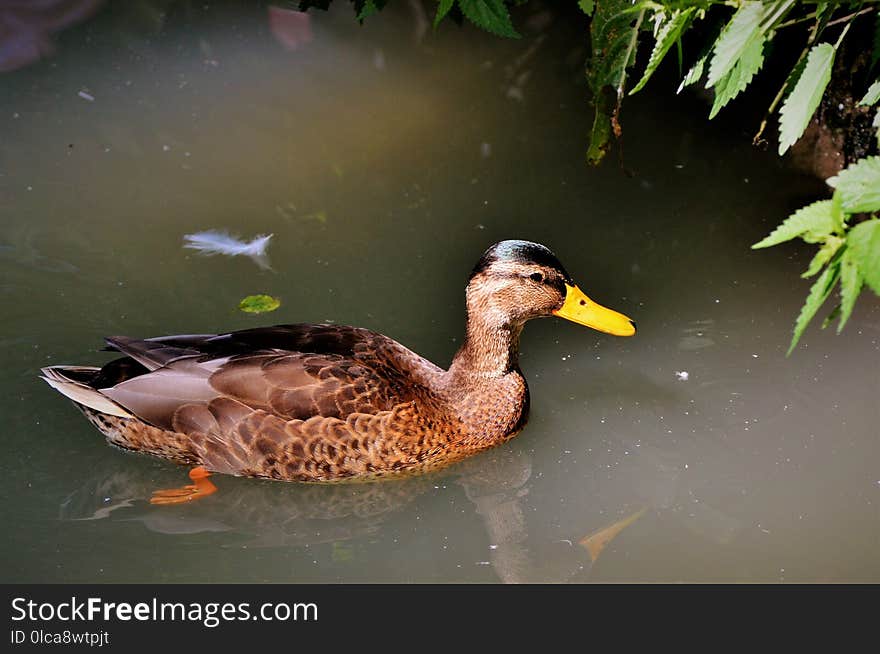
(582, 310)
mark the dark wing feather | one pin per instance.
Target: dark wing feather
(149, 354)
(290, 372)
(317, 339)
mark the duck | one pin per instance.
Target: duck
(327, 402)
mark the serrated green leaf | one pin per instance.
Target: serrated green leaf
(587, 6)
(819, 292)
(750, 23)
(801, 103)
(259, 303)
(491, 15)
(859, 185)
(823, 256)
(813, 223)
(863, 241)
(442, 9)
(850, 286)
(739, 76)
(694, 74)
(872, 95)
(668, 34)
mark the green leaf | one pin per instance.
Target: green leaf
(491, 15)
(859, 185)
(823, 256)
(729, 86)
(600, 134)
(864, 242)
(442, 9)
(813, 223)
(850, 286)
(366, 8)
(837, 215)
(819, 292)
(801, 103)
(587, 6)
(669, 33)
(613, 36)
(835, 312)
(694, 74)
(259, 303)
(872, 95)
(751, 21)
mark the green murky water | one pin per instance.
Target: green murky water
(384, 160)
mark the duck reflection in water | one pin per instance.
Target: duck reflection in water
(270, 515)
(259, 514)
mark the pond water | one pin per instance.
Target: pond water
(385, 159)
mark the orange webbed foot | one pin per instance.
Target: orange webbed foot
(201, 487)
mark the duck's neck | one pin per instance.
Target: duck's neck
(490, 349)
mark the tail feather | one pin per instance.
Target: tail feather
(62, 379)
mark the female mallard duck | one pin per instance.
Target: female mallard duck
(328, 402)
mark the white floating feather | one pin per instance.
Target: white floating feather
(219, 242)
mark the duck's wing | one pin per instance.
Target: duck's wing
(289, 371)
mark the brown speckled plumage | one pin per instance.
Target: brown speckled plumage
(326, 402)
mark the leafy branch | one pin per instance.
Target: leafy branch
(848, 230)
(731, 62)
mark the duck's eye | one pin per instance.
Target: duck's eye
(536, 277)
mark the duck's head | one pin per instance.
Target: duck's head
(515, 281)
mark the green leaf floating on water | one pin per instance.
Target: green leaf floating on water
(259, 304)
